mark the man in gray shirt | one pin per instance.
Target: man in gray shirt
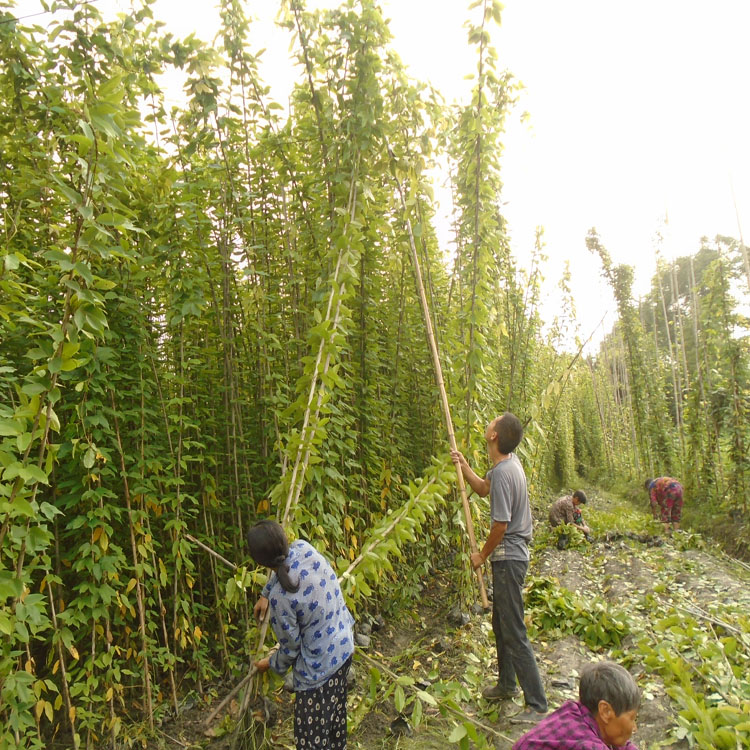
(507, 547)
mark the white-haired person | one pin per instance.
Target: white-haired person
(603, 717)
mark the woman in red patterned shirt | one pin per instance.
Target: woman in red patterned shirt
(665, 494)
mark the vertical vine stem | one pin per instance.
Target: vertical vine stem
(136, 569)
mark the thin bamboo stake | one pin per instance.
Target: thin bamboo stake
(743, 247)
(69, 714)
(443, 396)
(673, 363)
(602, 421)
(370, 547)
(226, 562)
(295, 485)
(228, 697)
(685, 373)
(162, 608)
(138, 576)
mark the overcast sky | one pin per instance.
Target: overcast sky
(639, 110)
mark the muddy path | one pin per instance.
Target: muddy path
(442, 653)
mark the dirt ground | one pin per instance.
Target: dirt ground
(429, 644)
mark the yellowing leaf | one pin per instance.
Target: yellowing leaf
(263, 506)
(197, 633)
(72, 714)
(73, 652)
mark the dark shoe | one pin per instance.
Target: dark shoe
(527, 716)
(562, 541)
(496, 693)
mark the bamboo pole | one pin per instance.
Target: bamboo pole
(226, 562)
(443, 396)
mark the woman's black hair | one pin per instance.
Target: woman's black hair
(269, 547)
(647, 483)
(581, 495)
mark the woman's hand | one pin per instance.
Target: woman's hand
(262, 665)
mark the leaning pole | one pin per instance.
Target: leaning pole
(443, 395)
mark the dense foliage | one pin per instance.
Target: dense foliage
(672, 381)
(209, 315)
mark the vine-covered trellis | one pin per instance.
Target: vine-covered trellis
(209, 315)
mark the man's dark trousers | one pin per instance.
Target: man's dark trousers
(514, 653)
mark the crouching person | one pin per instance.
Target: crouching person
(567, 510)
(603, 718)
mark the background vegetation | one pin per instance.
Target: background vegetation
(209, 315)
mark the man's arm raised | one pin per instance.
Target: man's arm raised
(480, 485)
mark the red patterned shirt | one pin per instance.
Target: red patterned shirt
(571, 727)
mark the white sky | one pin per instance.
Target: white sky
(638, 109)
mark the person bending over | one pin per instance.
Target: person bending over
(568, 510)
(603, 717)
(665, 495)
(313, 626)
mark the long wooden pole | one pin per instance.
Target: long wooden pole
(443, 395)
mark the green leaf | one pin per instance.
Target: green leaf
(49, 511)
(10, 427)
(10, 586)
(399, 699)
(416, 714)
(32, 473)
(38, 539)
(458, 733)
(23, 441)
(89, 458)
(10, 262)
(427, 698)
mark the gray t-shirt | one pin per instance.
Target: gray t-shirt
(509, 503)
